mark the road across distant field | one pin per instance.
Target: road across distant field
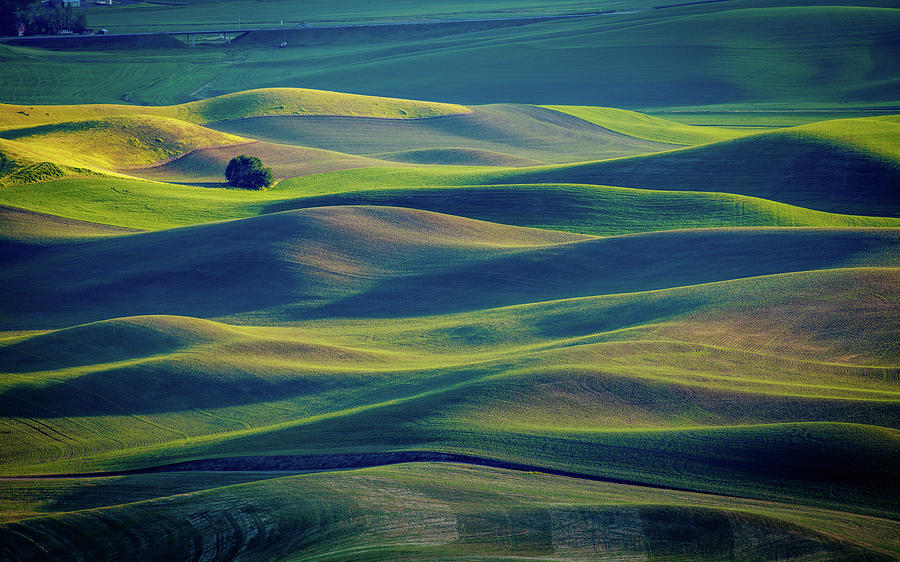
(241, 30)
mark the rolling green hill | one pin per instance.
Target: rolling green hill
(252, 103)
(455, 157)
(28, 228)
(648, 127)
(21, 164)
(518, 130)
(689, 377)
(437, 519)
(375, 261)
(207, 165)
(47, 142)
(848, 165)
(118, 142)
(626, 287)
(596, 210)
(417, 511)
(281, 13)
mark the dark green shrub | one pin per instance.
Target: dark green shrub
(248, 172)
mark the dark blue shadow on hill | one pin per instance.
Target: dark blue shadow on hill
(102, 342)
(147, 390)
(824, 463)
(617, 265)
(247, 266)
(12, 252)
(778, 167)
(175, 385)
(205, 271)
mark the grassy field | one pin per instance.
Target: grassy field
(240, 105)
(638, 301)
(193, 14)
(745, 55)
(849, 165)
(651, 128)
(521, 131)
(46, 142)
(555, 516)
(438, 519)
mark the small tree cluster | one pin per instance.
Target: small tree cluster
(42, 20)
(248, 172)
(10, 15)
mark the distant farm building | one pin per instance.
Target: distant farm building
(63, 3)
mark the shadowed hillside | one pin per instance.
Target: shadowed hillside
(847, 166)
(601, 383)
(307, 257)
(420, 511)
(587, 209)
(393, 261)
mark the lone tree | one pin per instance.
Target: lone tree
(248, 172)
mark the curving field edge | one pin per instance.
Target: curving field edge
(344, 461)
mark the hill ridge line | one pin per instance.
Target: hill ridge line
(346, 461)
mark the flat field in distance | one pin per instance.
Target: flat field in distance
(742, 54)
(535, 280)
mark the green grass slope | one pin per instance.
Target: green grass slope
(25, 232)
(846, 166)
(249, 103)
(522, 131)
(416, 511)
(109, 137)
(21, 164)
(595, 210)
(700, 321)
(208, 164)
(646, 61)
(116, 136)
(352, 248)
(133, 203)
(620, 264)
(391, 261)
(300, 101)
(280, 13)
(648, 127)
(829, 331)
(456, 157)
(743, 387)
(878, 137)
(118, 142)
(757, 55)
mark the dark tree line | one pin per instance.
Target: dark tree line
(9, 15)
(40, 19)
